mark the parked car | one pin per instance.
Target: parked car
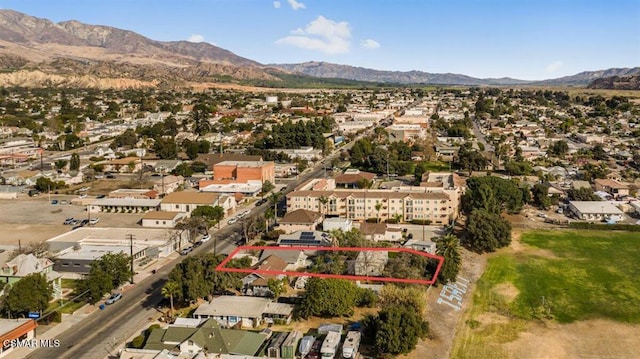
(75, 222)
(63, 202)
(244, 213)
(84, 222)
(232, 220)
(205, 238)
(54, 201)
(114, 298)
(186, 250)
(197, 244)
(101, 196)
(261, 202)
(110, 176)
(93, 221)
(68, 220)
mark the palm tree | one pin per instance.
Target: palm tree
(378, 208)
(274, 198)
(448, 247)
(170, 290)
(323, 203)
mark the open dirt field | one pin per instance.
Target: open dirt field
(35, 219)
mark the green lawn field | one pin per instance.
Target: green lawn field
(559, 276)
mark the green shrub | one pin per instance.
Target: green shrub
(137, 342)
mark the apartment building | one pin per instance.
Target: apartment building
(244, 171)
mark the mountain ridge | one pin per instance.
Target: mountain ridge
(87, 53)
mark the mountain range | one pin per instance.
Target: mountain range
(38, 52)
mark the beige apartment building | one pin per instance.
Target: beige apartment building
(360, 204)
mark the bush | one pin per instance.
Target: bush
(391, 220)
(423, 222)
(368, 298)
(137, 342)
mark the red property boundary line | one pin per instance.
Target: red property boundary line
(221, 267)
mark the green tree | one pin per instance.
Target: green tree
(396, 330)
(559, 148)
(492, 194)
(30, 294)
(74, 162)
(60, 164)
(582, 194)
(449, 247)
(267, 187)
(213, 214)
(165, 148)
(277, 286)
(540, 194)
(486, 231)
(170, 290)
(329, 297)
(44, 184)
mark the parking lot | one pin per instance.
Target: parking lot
(35, 219)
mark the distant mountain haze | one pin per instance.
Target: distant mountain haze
(37, 52)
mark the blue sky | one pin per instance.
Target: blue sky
(526, 39)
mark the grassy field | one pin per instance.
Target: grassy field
(556, 277)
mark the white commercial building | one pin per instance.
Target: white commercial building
(594, 210)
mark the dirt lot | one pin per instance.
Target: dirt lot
(29, 219)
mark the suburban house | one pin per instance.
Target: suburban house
(186, 202)
(167, 184)
(612, 187)
(257, 284)
(244, 311)
(15, 329)
(294, 259)
(381, 232)
(208, 337)
(370, 263)
(24, 264)
(161, 219)
(305, 239)
(123, 165)
(594, 210)
(353, 178)
(300, 220)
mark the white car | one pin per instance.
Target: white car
(114, 298)
(205, 238)
(244, 214)
(93, 221)
(232, 220)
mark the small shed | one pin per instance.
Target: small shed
(273, 350)
(288, 349)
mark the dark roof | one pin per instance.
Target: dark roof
(301, 216)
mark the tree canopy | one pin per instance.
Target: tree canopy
(30, 294)
(493, 194)
(487, 231)
(330, 298)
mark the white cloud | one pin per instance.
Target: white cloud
(277, 4)
(554, 66)
(370, 44)
(321, 34)
(196, 38)
(295, 5)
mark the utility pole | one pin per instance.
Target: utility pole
(131, 237)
